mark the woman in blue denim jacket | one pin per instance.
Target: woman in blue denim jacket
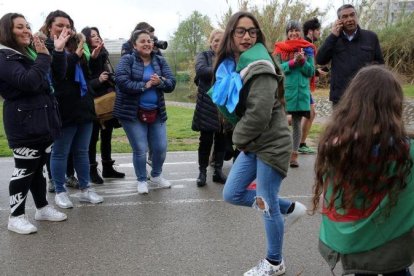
(142, 78)
(31, 118)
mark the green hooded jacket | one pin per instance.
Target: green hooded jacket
(262, 128)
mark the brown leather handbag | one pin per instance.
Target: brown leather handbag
(104, 106)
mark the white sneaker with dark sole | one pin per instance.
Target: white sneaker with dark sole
(265, 268)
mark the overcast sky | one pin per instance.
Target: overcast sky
(116, 19)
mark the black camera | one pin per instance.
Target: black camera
(160, 44)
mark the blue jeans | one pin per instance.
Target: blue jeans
(77, 138)
(247, 168)
(140, 135)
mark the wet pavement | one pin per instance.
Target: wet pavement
(184, 230)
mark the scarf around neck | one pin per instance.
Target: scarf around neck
(33, 55)
(225, 91)
(80, 78)
(286, 49)
(86, 51)
(228, 84)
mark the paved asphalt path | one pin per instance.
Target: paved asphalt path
(184, 230)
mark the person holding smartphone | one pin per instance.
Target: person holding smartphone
(348, 48)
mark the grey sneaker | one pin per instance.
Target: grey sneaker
(62, 200)
(21, 225)
(89, 195)
(160, 182)
(72, 182)
(142, 187)
(265, 268)
(50, 186)
(49, 213)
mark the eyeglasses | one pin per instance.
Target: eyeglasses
(240, 32)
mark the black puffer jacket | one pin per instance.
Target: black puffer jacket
(30, 110)
(206, 116)
(347, 57)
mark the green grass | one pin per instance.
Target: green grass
(183, 92)
(409, 90)
(180, 135)
(4, 147)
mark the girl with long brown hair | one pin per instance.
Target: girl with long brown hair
(248, 85)
(364, 179)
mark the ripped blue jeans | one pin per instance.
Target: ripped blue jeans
(247, 168)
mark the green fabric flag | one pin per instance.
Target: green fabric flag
(31, 53)
(86, 51)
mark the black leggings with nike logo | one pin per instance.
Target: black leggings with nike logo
(28, 175)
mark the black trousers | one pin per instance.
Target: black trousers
(106, 138)
(206, 142)
(28, 175)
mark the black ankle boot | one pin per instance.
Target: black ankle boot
(218, 175)
(202, 177)
(108, 170)
(94, 175)
(202, 167)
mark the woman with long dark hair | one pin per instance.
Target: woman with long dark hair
(77, 111)
(365, 181)
(102, 82)
(30, 115)
(248, 90)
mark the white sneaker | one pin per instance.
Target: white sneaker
(21, 225)
(49, 213)
(265, 268)
(297, 213)
(89, 195)
(160, 182)
(142, 187)
(62, 200)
